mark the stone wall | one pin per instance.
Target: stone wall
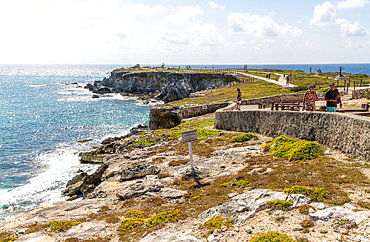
(359, 93)
(347, 133)
(165, 117)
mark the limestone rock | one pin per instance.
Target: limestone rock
(297, 228)
(298, 200)
(137, 171)
(182, 236)
(172, 193)
(339, 212)
(139, 188)
(243, 206)
(35, 237)
(318, 206)
(85, 230)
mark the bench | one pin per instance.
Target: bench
(287, 106)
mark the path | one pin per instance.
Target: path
(281, 82)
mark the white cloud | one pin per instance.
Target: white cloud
(215, 5)
(261, 26)
(351, 4)
(269, 40)
(184, 27)
(353, 30)
(323, 14)
(141, 9)
(184, 14)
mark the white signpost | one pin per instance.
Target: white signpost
(187, 137)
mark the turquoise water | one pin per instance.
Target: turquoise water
(41, 119)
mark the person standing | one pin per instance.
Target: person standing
(332, 97)
(238, 99)
(309, 99)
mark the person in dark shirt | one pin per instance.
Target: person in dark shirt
(332, 98)
(238, 99)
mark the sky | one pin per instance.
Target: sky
(184, 32)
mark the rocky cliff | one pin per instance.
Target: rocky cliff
(166, 86)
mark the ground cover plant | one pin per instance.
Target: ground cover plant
(279, 204)
(292, 149)
(272, 236)
(217, 223)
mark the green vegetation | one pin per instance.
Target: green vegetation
(304, 209)
(54, 225)
(317, 194)
(130, 223)
(134, 213)
(279, 204)
(292, 149)
(271, 236)
(145, 142)
(61, 225)
(217, 223)
(307, 223)
(227, 184)
(8, 239)
(164, 217)
(243, 137)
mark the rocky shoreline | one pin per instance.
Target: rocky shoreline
(148, 172)
(165, 86)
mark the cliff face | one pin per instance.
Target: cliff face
(166, 86)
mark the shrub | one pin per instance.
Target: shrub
(285, 147)
(130, 223)
(164, 217)
(299, 88)
(317, 194)
(134, 213)
(307, 223)
(305, 209)
(227, 184)
(217, 223)
(61, 225)
(243, 183)
(279, 204)
(8, 239)
(243, 137)
(272, 236)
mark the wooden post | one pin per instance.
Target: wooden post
(272, 106)
(354, 85)
(337, 83)
(344, 84)
(348, 87)
(360, 82)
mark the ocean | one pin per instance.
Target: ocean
(42, 118)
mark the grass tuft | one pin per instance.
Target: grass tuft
(271, 236)
(217, 223)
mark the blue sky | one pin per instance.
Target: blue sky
(184, 32)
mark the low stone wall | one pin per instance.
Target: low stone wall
(197, 110)
(166, 118)
(359, 93)
(347, 133)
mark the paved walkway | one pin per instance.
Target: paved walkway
(281, 82)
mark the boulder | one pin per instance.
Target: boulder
(139, 188)
(35, 237)
(172, 193)
(244, 206)
(132, 171)
(334, 213)
(298, 200)
(85, 230)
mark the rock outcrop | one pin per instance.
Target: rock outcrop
(166, 86)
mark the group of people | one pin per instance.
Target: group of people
(332, 99)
